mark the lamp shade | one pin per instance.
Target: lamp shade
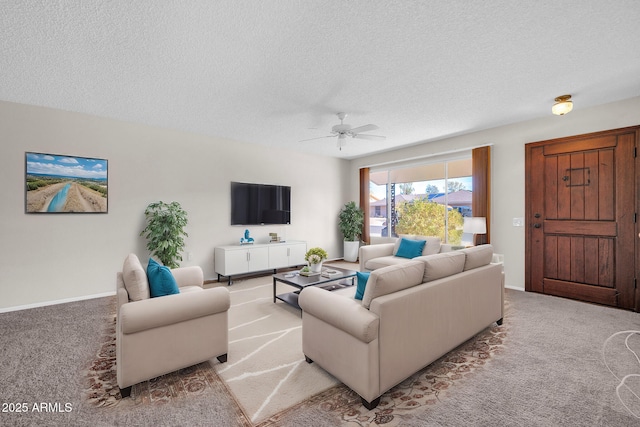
(475, 225)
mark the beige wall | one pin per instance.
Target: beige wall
(47, 258)
(507, 181)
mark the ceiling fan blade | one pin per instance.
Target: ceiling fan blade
(365, 128)
(372, 137)
(320, 137)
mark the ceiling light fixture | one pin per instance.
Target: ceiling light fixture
(562, 106)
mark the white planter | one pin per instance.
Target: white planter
(351, 251)
(316, 268)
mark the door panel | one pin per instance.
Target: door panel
(581, 200)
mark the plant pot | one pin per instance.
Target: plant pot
(316, 268)
(351, 251)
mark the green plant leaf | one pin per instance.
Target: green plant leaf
(164, 230)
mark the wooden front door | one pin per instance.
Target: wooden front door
(580, 217)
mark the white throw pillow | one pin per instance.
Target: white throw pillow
(431, 247)
(135, 279)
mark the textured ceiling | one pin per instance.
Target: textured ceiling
(276, 72)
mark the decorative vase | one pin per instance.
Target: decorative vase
(316, 268)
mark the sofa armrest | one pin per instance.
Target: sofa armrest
(152, 313)
(188, 276)
(374, 251)
(341, 312)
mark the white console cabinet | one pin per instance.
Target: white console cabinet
(287, 254)
(234, 260)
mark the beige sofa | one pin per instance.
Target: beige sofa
(411, 314)
(373, 257)
(156, 336)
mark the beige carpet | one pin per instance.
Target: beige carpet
(266, 370)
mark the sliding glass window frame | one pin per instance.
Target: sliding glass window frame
(453, 172)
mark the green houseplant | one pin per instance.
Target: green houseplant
(165, 231)
(350, 222)
(314, 257)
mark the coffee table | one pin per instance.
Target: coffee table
(293, 278)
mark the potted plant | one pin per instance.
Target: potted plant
(351, 220)
(165, 231)
(314, 257)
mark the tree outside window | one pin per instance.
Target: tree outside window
(425, 218)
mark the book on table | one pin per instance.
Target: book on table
(310, 273)
(330, 273)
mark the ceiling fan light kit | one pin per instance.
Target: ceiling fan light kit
(343, 130)
(562, 106)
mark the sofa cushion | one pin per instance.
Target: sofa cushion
(391, 279)
(362, 284)
(432, 245)
(384, 261)
(477, 256)
(409, 248)
(442, 265)
(161, 281)
(135, 278)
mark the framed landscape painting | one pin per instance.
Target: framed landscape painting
(65, 184)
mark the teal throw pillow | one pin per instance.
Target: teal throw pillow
(161, 281)
(362, 284)
(410, 248)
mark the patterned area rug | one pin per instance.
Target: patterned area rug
(102, 389)
(423, 389)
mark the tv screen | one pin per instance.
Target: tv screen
(254, 204)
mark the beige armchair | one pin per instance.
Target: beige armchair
(156, 336)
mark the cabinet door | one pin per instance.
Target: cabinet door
(235, 262)
(258, 259)
(278, 255)
(296, 254)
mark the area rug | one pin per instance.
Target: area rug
(424, 388)
(266, 370)
(267, 376)
(101, 383)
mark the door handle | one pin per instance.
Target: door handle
(536, 225)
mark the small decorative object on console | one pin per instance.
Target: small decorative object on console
(246, 240)
(274, 238)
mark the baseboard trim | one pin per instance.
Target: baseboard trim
(514, 288)
(55, 302)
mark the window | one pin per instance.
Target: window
(428, 199)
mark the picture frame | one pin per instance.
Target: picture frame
(56, 183)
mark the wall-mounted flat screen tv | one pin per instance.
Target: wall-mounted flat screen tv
(65, 184)
(257, 204)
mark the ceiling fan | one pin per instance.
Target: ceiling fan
(343, 130)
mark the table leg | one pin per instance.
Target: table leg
(274, 289)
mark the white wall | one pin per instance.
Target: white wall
(507, 180)
(46, 258)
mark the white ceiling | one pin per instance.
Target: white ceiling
(276, 72)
